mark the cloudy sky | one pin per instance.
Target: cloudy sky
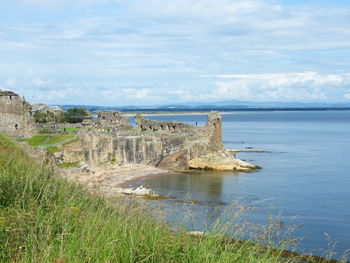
(144, 52)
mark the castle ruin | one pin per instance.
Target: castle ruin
(113, 120)
(162, 144)
(15, 115)
(110, 140)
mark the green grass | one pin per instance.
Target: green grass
(43, 218)
(52, 149)
(70, 130)
(48, 139)
(70, 141)
(65, 165)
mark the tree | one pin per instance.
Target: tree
(75, 115)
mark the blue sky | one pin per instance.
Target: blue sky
(138, 52)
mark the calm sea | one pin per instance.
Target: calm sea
(305, 176)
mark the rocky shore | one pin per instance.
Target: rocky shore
(221, 162)
(112, 181)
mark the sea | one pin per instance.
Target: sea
(304, 181)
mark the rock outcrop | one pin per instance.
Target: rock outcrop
(220, 162)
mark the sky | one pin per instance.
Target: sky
(153, 52)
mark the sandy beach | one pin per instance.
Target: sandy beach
(110, 181)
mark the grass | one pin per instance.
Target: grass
(70, 130)
(52, 149)
(48, 139)
(70, 141)
(65, 165)
(43, 218)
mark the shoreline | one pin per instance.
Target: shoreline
(110, 182)
(169, 114)
(113, 181)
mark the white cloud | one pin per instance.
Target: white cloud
(280, 79)
(347, 96)
(304, 86)
(130, 94)
(141, 94)
(41, 82)
(143, 52)
(52, 3)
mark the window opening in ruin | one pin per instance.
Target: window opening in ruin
(16, 126)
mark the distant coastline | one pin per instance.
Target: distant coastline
(223, 112)
(197, 110)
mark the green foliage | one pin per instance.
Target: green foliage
(75, 115)
(43, 218)
(42, 117)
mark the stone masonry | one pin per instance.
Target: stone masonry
(113, 120)
(163, 144)
(15, 115)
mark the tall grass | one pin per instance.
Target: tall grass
(46, 219)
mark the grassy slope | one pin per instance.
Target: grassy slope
(45, 219)
(48, 139)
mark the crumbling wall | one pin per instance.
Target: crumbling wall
(168, 149)
(112, 120)
(73, 152)
(143, 124)
(214, 130)
(15, 115)
(124, 150)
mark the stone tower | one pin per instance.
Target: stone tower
(15, 115)
(214, 124)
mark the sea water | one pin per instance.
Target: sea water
(305, 176)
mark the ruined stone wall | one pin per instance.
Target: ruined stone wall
(73, 152)
(143, 124)
(112, 120)
(99, 149)
(57, 126)
(15, 115)
(165, 149)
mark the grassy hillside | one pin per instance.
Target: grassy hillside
(46, 219)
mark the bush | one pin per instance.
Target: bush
(41, 117)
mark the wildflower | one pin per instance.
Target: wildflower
(74, 208)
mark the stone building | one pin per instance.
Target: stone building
(44, 108)
(15, 115)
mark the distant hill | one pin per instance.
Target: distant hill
(220, 106)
